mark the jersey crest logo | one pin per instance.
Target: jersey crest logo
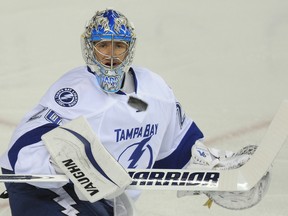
(137, 153)
(66, 97)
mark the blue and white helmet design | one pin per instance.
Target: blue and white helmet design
(108, 25)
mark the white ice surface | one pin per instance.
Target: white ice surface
(226, 61)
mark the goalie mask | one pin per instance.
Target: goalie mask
(108, 45)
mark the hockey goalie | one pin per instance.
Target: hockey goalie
(103, 118)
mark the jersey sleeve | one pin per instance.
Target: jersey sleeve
(180, 136)
(27, 153)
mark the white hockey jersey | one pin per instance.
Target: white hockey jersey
(159, 137)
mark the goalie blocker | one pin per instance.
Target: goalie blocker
(83, 159)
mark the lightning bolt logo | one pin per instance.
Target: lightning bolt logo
(138, 153)
(66, 96)
(65, 201)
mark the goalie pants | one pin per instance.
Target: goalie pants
(28, 200)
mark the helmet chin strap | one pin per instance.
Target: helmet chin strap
(128, 83)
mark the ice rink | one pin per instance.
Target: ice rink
(227, 61)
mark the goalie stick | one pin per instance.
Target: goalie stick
(239, 179)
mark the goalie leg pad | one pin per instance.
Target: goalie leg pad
(80, 155)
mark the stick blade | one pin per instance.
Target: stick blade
(247, 176)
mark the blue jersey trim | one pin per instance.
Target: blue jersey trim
(180, 157)
(29, 138)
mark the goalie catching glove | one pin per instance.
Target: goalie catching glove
(211, 158)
